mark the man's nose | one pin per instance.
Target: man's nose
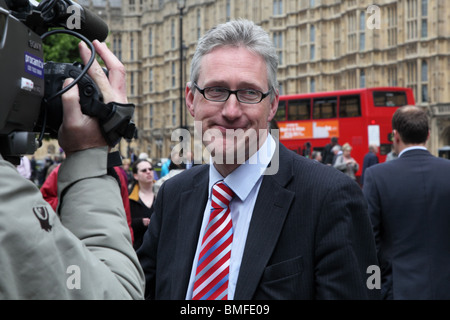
(232, 108)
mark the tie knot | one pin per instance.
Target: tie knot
(221, 195)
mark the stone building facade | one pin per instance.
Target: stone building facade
(323, 45)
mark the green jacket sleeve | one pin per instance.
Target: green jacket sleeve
(83, 252)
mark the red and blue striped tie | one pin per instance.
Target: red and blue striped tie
(211, 279)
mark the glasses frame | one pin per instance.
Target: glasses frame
(230, 92)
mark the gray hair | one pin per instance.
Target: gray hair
(336, 148)
(238, 33)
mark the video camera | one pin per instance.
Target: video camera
(31, 89)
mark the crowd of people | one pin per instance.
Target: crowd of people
(230, 229)
(38, 171)
(339, 157)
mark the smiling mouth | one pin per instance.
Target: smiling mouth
(224, 129)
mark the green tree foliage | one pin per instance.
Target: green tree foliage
(61, 48)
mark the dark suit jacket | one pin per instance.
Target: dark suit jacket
(370, 159)
(409, 204)
(309, 238)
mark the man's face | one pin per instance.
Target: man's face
(234, 69)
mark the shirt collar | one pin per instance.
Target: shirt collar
(246, 176)
(411, 148)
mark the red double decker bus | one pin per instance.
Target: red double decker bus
(360, 117)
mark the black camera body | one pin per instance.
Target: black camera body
(54, 75)
(31, 89)
(22, 74)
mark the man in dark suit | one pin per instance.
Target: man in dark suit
(300, 230)
(409, 207)
(370, 159)
(328, 156)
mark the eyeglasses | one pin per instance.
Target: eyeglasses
(146, 169)
(219, 94)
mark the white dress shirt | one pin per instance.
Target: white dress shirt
(411, 148)
(245, 182)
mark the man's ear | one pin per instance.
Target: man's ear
(396, 136)
(273, 106)
(189, 94)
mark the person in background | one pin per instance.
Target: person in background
(317, 156)
(34, 170)
(189, 160)
(370, 159)
(24, 167)
(346, 163)
(392, 155)
(142, 199)
(144, 155)
(408, 201)
(176, 166)
(125, 170)
(165, 166)
(336, 151)
(327, 154)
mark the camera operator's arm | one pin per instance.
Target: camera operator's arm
(86, 252)
(90, 201)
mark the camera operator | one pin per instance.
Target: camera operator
(84, 251)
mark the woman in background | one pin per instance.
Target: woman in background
(142, 199)
(346, 163)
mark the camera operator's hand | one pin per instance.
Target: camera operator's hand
(79, 131)
(113, 87)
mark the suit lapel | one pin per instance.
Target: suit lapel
(271, 208)
(192, 205)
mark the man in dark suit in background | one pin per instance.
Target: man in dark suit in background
(370, 159)
(300, 230)
(328, 156)
(409, 206)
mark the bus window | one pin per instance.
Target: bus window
(324, 108)
(349, 106)
(389, 98)
(299, 110)
(281, 112)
